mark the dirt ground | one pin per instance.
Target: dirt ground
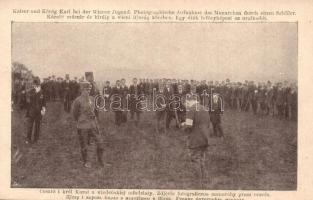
(257, 153)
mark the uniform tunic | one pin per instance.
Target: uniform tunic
(83, 112)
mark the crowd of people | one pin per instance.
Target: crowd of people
(265, 98)
(273, 99)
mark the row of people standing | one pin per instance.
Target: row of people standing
(168, 100)
(60, 89)
(276, 99)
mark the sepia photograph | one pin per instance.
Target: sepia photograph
(185, 106)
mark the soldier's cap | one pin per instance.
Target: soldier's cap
(85, 85)
(88, 74)
(36, 81)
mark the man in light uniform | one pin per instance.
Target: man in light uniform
(83, 111)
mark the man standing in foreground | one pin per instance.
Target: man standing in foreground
(197, 129)
(216, 110)
(83, 111)
(36, 108)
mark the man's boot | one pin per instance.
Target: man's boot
(84, 159)
(99, 156)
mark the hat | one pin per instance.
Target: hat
(36, 81)
(89, 76)
(85, 85)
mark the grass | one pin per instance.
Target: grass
(257, 153)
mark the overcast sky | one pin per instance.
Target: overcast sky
(211, 51)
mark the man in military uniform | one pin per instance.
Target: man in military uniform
(94, 91)
(83, 111)
(36, 108)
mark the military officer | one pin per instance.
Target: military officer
(83, 111)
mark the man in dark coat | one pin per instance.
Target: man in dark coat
(66, 85)
(36, 108)
(216, 110)
(197, 129)
(159, 108)
(22, 93)
(135, 91)
(107, 91)
(293, 103)
(124, 96)
(116, 102)
(170, 103)
(280, 101)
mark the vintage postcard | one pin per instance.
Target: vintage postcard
(156, 101)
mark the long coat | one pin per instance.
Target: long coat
(36, 103)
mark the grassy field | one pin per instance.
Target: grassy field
(257, 152)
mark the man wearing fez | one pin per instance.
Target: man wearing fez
(36, 108)
(83, 111)
(90, 78)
